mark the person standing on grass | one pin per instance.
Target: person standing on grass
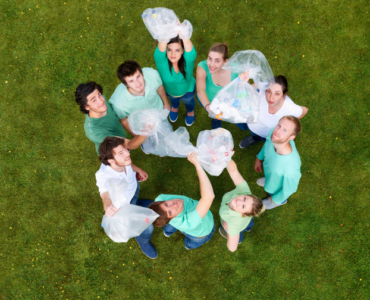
(100, 120)
(281, 162)
(117, 165)
(192, 218)
(175, 63)
(274, 104)
(237, 209)
(211, 78)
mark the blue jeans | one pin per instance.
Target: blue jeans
(187, 99)
(244, 126)
(146, 235)
(281, 202)
(248, 228)
(191, 242)
(215, 123)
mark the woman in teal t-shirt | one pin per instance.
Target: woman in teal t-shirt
(211, 77)
(175, 63)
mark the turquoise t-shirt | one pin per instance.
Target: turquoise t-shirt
(98, 129)
(124, 103)
(282, 172)
(189, 221)
(174, 83)
(211, 88)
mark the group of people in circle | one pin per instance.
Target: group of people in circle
(106, 124)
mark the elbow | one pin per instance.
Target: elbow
(232, 249)
(132, 146)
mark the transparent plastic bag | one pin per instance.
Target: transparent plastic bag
(237, 102)
(131, 220)
(178, 143)
(186, 30)
(252, 60)
(162, 23)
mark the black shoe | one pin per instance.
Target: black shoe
(248, 141)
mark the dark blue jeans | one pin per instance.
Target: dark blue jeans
(146, 235)
(248, 228)
(191, 242)
(187, 99)
(244, 126)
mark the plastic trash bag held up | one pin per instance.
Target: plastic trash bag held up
(131, 220)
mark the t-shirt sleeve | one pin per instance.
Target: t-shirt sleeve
(203, 65)
(190, 56)
(243, 188)
(261, 154)
(160, 57)
(156, 78)
(294, 109)
(100, 182)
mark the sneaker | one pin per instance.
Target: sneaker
(222, 232)
(248, 141)
(189, 120)
(174, 115)
(270, 205)
(148, 249)
(142, 148)
(166, 235)
(187, 248)
(261, 181)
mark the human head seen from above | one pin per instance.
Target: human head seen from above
(131, 75)
(218, 55)
(113, 153)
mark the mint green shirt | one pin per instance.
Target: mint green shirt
(235, 221)
(282, 172)
(98, 129)
(174, 83)
(189, 221)
(211, 88)
(124, 103)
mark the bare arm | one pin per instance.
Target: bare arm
(235, 176)
(162, 46)
(142, 174)
(304, 112)
(232, 241)
(162, 93)
(137, 139)
(109, 209)
(206, 190)
(201, 87)
(188, 45)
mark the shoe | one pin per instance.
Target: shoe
(270, 205)
(187, 248)
(148, 249)
(248, 141)
(166, 235)
(222, 232)
(261, 181)
(189, 120)
(174, 116)
(142, 148)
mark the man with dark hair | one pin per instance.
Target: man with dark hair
(117, 166)
(193, 218)
(282, 164)
(140, 89)
(100, 121)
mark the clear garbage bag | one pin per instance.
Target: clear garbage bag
(237, 102)
(131, 220)
(162, 23)
(178, 143)
(186, 30)
(252, 60)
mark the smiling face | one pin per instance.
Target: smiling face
(215, 61)
(121, 157)
(283, 132)
(274, 95)
(96, 102)
(136, 82)
(173, 207)
(242, 204)
(174, 52)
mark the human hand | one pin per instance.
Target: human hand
(110, 211)
(207, 107)
(167, 106)
(244, 76)
(141, 175)
(258, 165)
(192, 157)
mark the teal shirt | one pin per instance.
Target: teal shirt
(282, 172)
(211, 88)
(189, 221)
(98, 129)
(174, 83)
(124, 103)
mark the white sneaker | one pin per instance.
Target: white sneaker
(261, 181)
(270, 205)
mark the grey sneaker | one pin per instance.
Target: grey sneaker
(270, 205)
(261, 181)
(222, 232)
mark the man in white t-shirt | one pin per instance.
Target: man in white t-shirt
(117, 165)
(274, 104)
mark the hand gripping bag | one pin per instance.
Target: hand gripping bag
(131, 220)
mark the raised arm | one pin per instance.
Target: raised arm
(201, 87)
(162, 46)
(206, 190)
(235, 176)
(188, 45)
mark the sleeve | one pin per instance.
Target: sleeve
(100, 182)
(261, 154)
(294, 109)
(157, 81)
(232, 230)
(203, 65)
(160, 57)
(243, 188)
(290, 186)
(190, 56)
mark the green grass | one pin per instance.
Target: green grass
(52, 245)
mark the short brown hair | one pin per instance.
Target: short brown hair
(257, 207)
(163, 219)
(107, 146)
(298, 127)
(128, 68)
(221, 48)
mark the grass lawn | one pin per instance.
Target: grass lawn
(52, 245)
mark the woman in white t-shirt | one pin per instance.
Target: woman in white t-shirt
(274, 104)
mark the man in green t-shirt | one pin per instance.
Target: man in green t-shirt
(192, 218)
(100, 120)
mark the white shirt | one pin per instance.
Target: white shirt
(106, 172)
(267, 121)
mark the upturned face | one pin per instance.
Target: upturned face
(136, 82)
(121, 156)
(283, 132)
(96, 102)
(173, 207)
(215, 62)
(242, 204)
(274, 94)
(174, 52)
